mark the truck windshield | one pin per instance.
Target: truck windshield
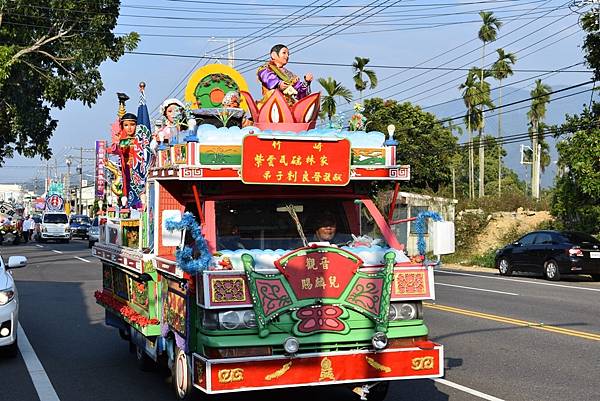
(55, 218)
(289, 224)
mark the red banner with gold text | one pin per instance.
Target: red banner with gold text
(295, 161)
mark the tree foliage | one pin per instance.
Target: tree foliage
(50, 53)
(424, 143)
(333, 89)
(576, 200)
(358, 66)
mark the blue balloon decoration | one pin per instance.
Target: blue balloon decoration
(421, 226)
(185, 259)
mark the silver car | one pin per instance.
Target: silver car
(93, 233)
(9, 305)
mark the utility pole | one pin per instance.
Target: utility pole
(230, 50)
(80, 208)
(535, 172)
(47, 182)
(68, 186)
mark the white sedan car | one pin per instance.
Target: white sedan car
(9, 305)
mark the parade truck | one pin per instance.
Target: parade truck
(221, 274)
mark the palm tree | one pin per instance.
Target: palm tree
(540, 96)
(358, 66)
(487, 33)
(502, 69)
(476, 95)
(469, 97)
(334, 89)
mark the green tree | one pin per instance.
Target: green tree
(358, 66)
(476, 96)
(502, 69)
(334, 90)
(50, 53)
(487, 33)
(424, 144)
(576, 199)
(540, 97)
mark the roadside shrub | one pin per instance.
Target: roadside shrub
(485, 260)
(505, 203)
(467, 225)
(514, 233)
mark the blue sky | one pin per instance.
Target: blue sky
(418, 34)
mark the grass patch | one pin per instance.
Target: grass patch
(488, 259)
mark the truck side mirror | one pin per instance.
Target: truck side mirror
(15, 262)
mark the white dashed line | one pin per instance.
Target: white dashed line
(477, 289)
(82, 259)
(38, 375)
(522, 281)
(39, 246)
(467, 390)
(55, 251)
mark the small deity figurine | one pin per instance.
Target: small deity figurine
(273, 75)
(169, 109)
(231, 100)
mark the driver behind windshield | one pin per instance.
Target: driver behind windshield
(325, 230)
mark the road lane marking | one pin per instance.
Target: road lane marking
(38, 375)
(55, 251)
(515, 322)
(477, 289)
(82, 259)
(522, 281)
(39, 246)
(467, 390)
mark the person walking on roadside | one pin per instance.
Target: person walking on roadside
(28, 226)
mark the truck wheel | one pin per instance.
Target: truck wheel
(379, 392)
(182, 375)
(144, 362)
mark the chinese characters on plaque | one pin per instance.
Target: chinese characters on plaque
(295, 162)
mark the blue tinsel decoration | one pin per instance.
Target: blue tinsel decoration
(185, 261)
(420, 227)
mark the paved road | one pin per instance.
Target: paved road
(505, 339)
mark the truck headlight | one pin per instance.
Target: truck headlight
(6, 295)
(229, 320)
(405, 311)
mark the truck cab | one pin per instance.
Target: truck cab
(54, 226)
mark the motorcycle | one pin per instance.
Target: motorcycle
(10, 234)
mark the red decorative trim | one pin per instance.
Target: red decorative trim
(126, 312)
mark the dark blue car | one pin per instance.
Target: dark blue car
(80, 225)
(551, 253)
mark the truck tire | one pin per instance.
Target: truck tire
(144, 362)
(379, 392)
(182, 375)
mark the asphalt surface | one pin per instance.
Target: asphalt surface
(517, 338)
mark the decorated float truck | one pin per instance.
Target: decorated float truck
(222, 280)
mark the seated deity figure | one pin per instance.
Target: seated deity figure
(273, 75)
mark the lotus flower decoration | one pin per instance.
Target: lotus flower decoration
(276, 114)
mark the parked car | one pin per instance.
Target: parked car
(9, 305)
(551, 253)
(79, 225)
(94, 233)
(55, 225)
